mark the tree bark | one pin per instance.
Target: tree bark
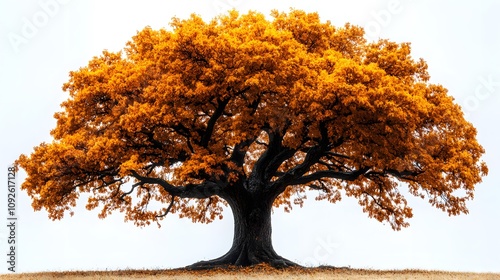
(252, 241)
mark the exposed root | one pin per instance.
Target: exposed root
(241, 259)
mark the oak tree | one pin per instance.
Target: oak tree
(254, 113)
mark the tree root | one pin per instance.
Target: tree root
(244, 259)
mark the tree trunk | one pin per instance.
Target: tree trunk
(252, 242)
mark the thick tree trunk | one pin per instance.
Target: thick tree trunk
(252, 243)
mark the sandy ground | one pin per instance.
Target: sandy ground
(254, 273)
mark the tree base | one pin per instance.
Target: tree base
(252, 242)
(241, 259)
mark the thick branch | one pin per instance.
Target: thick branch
(257, 178)
(313, 156)
(203, 190)
(239, 152)
(275, 163)
(211, 122)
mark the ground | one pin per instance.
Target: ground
(256, 272)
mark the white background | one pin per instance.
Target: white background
(41, 41)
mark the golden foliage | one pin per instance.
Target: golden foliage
(202, 106)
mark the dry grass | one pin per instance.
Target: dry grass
(258, 272)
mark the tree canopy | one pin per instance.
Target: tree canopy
(184, 119)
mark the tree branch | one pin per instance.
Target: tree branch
(274, 148)
(168, 208)
(348, 176)
(404, 175)
(203, 190)
(313, 155)
(239, 152)
(131, 191)
(275, 163)
(205, 139)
